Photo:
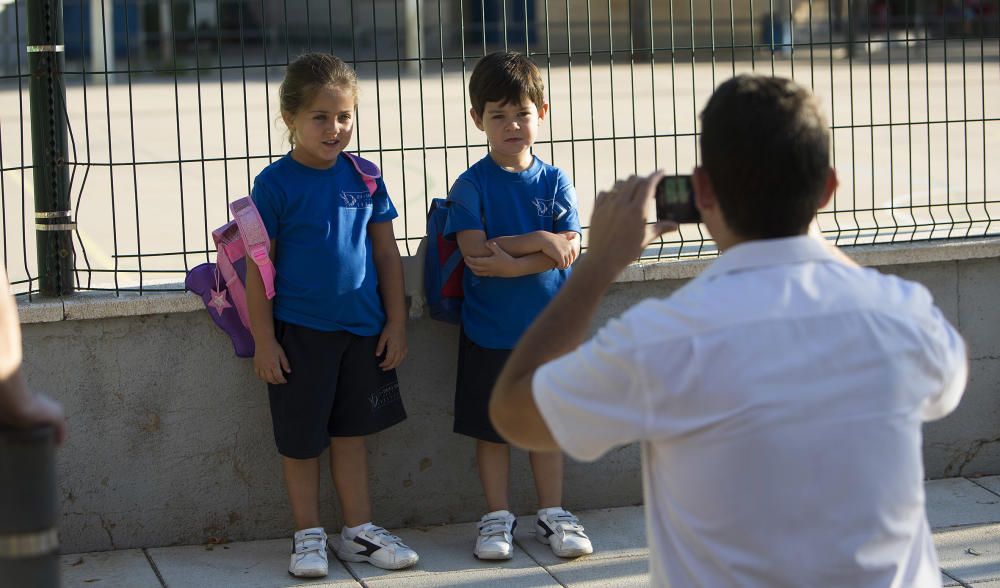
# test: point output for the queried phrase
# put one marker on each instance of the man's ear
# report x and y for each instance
(476, 119)
(829, 188)
(704, 193)
(543, 111)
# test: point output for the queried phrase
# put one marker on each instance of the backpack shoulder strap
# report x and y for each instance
(255, 240)
(368, 171)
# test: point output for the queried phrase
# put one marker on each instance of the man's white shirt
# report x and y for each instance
(778, 398)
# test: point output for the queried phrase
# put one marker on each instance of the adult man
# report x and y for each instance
(778, 396)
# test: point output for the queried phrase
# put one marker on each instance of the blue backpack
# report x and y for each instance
(443, 267)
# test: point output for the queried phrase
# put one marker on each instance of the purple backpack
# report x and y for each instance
(221, 285)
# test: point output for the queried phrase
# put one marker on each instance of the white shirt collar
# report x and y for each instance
(761, 253)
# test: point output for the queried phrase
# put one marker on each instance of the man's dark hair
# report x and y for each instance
(505, 77)
(765, 145)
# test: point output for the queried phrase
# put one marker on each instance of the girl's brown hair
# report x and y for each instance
(307, 74)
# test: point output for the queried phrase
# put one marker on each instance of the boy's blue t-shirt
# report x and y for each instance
(326, 276)
(497, 311)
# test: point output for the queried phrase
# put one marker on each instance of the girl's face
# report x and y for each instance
(322, 128)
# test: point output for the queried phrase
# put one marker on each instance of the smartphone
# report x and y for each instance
(675, 200)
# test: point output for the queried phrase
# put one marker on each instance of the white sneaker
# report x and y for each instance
(378, 547)
(308, 554)
(496, 536)
(562, 531)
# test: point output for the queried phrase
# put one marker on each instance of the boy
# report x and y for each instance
(516, 223)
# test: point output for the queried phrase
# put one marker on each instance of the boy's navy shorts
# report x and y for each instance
(335, 389)
(478, 369)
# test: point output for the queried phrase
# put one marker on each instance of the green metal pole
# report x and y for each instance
(53, 219)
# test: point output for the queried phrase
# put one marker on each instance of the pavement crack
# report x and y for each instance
(156, 570)
(964, 458)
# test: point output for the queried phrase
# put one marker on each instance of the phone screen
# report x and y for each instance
(675, 200)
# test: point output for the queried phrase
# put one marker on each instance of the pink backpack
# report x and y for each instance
(221, 285)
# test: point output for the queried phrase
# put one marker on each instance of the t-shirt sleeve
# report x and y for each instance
(565, 217)
(382, 207)
(593, 399)
(464, 209)
(268, 206)
(949, 353)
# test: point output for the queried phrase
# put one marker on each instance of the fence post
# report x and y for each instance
(53, 219)
(29, 541)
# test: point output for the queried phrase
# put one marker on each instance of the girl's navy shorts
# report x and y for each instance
(335, 389)
(478, 370)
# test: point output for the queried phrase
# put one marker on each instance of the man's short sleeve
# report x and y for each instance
(947, 349)
(565, 216)
(382, 207)
(268, 207)
(593, 399)
(464, 211)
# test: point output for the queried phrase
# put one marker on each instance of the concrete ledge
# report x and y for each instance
(97, 305)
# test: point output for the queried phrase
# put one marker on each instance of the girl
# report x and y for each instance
(329, 342)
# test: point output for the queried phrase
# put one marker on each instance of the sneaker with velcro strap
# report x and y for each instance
(496, 535)
(309, 558)
(562, 531)
(378, 547)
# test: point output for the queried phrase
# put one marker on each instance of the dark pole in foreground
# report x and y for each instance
(29, 540)
(53, 220)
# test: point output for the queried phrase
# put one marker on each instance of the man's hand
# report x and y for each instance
(499, 265)
(39, 410)
(392, 342)
(561, 248)
(618, 229)
(269, 361)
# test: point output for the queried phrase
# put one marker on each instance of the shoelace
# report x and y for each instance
(493, 526)
(567, 523)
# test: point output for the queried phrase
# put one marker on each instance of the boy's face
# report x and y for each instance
(511, 128)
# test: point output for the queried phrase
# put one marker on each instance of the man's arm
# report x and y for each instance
(618, 235)
(18, 407)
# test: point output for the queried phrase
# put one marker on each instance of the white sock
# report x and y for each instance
(550, 510)
(352, 532)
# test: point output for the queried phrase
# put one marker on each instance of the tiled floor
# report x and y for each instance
(965, 514)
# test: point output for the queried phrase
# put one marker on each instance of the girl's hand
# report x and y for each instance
(269, 361)
(392, 342)
(498, 265)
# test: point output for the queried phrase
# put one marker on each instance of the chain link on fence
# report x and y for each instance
(172, 109)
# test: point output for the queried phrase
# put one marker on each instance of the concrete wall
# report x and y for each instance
(170, 440)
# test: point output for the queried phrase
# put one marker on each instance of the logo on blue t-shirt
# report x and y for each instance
(544, 206)
(356, 199)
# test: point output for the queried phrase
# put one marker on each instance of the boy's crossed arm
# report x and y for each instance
(518, 255)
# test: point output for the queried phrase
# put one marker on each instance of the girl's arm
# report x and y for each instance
(389, 268)
(269, 361)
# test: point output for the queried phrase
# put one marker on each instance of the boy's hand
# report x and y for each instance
(561, 248)
(498, 265)
(269, 361)
(392, 342)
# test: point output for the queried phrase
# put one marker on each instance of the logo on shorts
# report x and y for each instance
(385, 395)
(356, 199)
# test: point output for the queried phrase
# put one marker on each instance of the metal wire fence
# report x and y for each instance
(172, 109)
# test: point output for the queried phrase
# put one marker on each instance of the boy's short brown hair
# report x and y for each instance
(505, 77)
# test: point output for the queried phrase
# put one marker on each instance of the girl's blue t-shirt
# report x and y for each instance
(326, 278)
(497, 311)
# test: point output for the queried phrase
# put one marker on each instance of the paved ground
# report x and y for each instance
(965, 515)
